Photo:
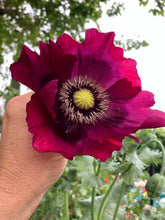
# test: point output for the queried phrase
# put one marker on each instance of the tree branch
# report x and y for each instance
(4, 11)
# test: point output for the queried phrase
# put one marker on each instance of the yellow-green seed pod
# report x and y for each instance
(155, 186)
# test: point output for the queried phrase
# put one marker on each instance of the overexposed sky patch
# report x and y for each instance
(137, 23)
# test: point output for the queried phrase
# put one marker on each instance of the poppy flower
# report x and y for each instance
(127, 215)
(87, 96)
(106, 180)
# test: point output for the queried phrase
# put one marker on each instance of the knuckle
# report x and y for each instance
(11, 107)
(17, 105)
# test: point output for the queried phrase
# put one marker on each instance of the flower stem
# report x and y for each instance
(66, 205)
(105, 200)
(162, 149)
(93, 203)
(119, 200)
(94, 191)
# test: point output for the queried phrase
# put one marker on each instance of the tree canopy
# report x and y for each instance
(28, 21)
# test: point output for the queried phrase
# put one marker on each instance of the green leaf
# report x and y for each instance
(85, 171)
(109, 211)
(64, 185)
(149, 156)
(115, 9)
(133, 167)
(109, 168)
(133, 158)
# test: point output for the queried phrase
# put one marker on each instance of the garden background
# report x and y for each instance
(27, 22)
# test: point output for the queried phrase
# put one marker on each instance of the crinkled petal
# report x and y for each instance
(99, 149)
(45, 54)
(67, 44)
(96, 66)
(61, 60)
(94, 59)
(35, 70)
(95, 40)
(116, 127)
(103, 42)
(122, 90)
(127, 69)
(126, 116)
(138, 114)
(43, 129)
(47, 96)
(143, 99)
(29, 69)
(154, 119)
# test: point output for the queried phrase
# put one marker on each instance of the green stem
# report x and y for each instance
(93, 203)
(162, 149)
(106, 199)
(119, 200)
(94, 191)
(66, 205)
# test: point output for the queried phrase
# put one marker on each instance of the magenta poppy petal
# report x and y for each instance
(116, 52)
(39, 120)
(98, 67)
(95, 60)
(45, 53)
(125, 116)
(31, 70)
(123, 90)
(104, 42)
(138, 114)
(47, 96)
(154, 119)
(62, 61)
(127, 69)
(95, 40)
(100, 149)
(67, 44)
(143, 99)
(42, 127)
(138, 108)
(26, 69)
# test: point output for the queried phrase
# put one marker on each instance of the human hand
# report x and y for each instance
(25, 173)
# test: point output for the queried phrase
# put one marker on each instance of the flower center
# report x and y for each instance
(83, 99)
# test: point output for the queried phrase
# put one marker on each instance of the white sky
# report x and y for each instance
(136, 21)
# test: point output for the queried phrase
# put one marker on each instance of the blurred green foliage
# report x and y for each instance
(158, 9)
(80, 178)
(30, 21)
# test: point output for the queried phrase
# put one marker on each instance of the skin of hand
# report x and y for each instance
(25, 174)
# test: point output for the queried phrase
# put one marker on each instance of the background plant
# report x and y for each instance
(81, 176)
